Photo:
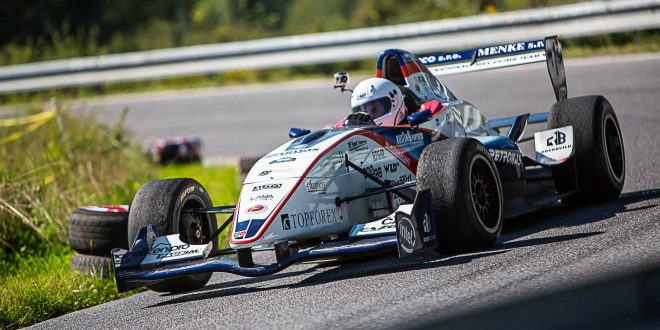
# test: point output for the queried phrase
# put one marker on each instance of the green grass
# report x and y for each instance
(37, 288)
(68, 161)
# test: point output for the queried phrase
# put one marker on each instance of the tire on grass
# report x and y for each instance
(96, 230)
(160, 203)
(466, 194)
(91, 265)
(598, 165)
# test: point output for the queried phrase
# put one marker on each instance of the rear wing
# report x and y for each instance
(504, 55)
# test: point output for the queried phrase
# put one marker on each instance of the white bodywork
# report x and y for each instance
(290, 193)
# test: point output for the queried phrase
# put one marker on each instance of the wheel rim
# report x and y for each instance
(613, 148)
(191, 226)
(484, 194)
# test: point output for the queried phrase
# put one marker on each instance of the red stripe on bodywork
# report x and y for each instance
(408, 160)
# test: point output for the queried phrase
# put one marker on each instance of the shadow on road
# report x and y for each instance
(559, 216)
(513, 232)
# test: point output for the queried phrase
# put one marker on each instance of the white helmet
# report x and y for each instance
(381, 99)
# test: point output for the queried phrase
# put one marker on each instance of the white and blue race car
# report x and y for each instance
(444, 179)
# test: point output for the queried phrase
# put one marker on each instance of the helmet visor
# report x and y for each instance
(375, 108)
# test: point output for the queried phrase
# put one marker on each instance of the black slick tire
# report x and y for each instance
(598, 164)
(160, 203)
(91, 265)
(466, 194)
(96, 230)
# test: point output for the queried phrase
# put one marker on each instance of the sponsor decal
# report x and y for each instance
(377, 154)
(374, 171)
(163, 250)
(283, 160)
(186, 192)
(336, 158)
(387, 223)
(407, 138)
(396, 201)
(267, 186)
(257, 208)
(558, 139)
(316, 186)
(240, 234)
(398, 153)
(264, 173)
(440, 58)
(404, 178)
(310, 218)
(391, 167)
(426, 223)
(406, 233)
(506, 156)
(265, 197)
(501, 49)
(290, 152)
(555, 144)
(354, 146)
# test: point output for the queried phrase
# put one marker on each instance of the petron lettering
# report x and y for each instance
(289, 152)
(506, 157)
(267, 186)
(309, 219)
(503, 49)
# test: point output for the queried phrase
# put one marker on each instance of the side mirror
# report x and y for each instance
(341, 80)
(298, 132)
(419, 117)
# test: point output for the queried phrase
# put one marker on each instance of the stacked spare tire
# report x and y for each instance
(93, 232)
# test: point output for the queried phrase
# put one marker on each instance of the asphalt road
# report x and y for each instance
(536, 254)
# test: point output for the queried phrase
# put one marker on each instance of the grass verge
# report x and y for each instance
(45, 173)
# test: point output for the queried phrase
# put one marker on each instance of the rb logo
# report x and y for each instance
(559, 138)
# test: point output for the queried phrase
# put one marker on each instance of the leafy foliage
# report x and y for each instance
(53, 29)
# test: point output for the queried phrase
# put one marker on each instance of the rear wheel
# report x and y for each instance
(161, 203)
(598, 166)
(466, 194)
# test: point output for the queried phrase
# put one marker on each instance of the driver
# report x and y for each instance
(376, 101)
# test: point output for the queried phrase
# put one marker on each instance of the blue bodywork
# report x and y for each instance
(129, 278)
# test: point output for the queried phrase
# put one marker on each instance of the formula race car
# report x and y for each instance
(444, 180)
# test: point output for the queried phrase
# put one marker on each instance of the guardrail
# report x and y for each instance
(582, 19)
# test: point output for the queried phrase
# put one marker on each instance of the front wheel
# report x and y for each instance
(598, 169)
(161, 203)
(466, 194)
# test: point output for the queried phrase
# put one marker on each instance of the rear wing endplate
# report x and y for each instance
(504, 55)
